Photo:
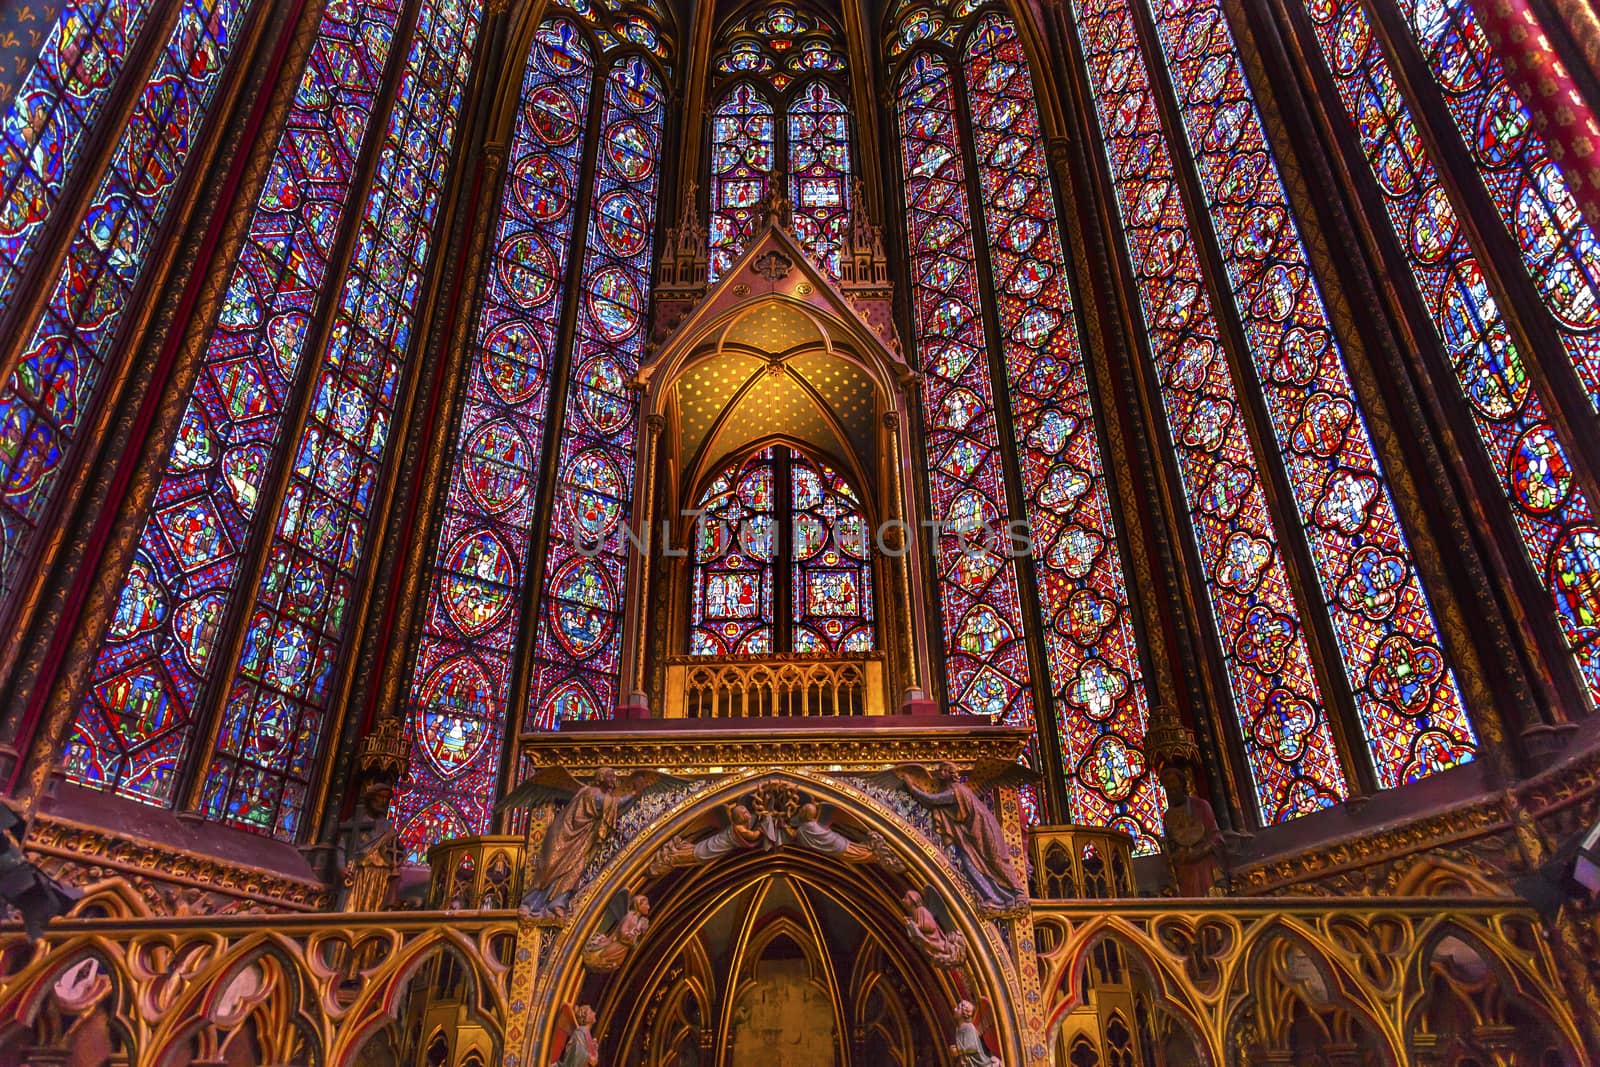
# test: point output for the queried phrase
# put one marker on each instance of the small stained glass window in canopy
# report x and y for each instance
(780, 524)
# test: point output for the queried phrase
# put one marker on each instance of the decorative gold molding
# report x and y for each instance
(76, 845)
(828, 745)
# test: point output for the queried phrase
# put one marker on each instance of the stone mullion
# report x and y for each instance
(1189, 673)
(1428, 489)
(922, 571)
(385, 648)
(75, 596)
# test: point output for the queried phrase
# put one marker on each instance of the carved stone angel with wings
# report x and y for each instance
(578, 829)
(966, 822)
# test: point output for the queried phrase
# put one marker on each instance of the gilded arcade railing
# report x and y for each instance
(1147, 983)
(766, 686)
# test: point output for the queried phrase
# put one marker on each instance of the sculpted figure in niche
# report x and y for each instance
(580, 1049)
(966, 822)
(945, 948)
(1190, 837)
(967, 1045)
(579, 828)
(608, 951)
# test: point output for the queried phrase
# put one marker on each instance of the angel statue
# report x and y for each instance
(575, 1043)
(945, 949)
(965, 821)
(812, 833)
(608, 951)
(740, 834)
(578, 829)
(967, 1046)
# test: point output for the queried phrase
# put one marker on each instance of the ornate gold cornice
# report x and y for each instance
(77, 844)
(829, 745)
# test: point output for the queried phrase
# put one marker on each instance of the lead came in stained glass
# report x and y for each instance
(831, 571)
(1552, 513)
(1287, 739)
(735, 562)
(742, 154)
(56, 383)
(158, 653)
(819, 172)
(299, 615)
(462, 681)
(49, 120)
(986, 663)
(1558, 246)
(1406, 698)
(578, 640)
(1091, 651)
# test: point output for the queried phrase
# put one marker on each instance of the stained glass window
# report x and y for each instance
(986, 662)
(272, 721)
(743, 144)
(831, 582)
(578, 644)
(138, 718)
(781, 109)
(735, 562)
(1092, 655)
(1287, 738)
(49, 120)
(780, 523)
(1554, 517)
(463, 674)
(1529, 191)
(1406, 696)
(819, 172)
(56, 382)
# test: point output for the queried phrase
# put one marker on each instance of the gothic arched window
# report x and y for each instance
(58, 379)
(989, 274)
(1391, 661)
(590, 91)
(780, 115)
(1509, 408)
(215, 678)
(780, 560)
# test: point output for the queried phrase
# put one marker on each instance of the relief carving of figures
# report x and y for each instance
(579, 1048)
(608, 951)
(966, 823)
(944, 947)
(740, 834)
(774, 815)
(579, 828)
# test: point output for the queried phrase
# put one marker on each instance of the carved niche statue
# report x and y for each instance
(1190, 837)
(965, 822)
(944, 948)
(578, 829)
(36, 896)
(575, 1043)
(967, 1044)
(608, 951)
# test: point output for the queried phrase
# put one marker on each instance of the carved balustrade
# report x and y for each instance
(1237, 981)
(767, 686)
